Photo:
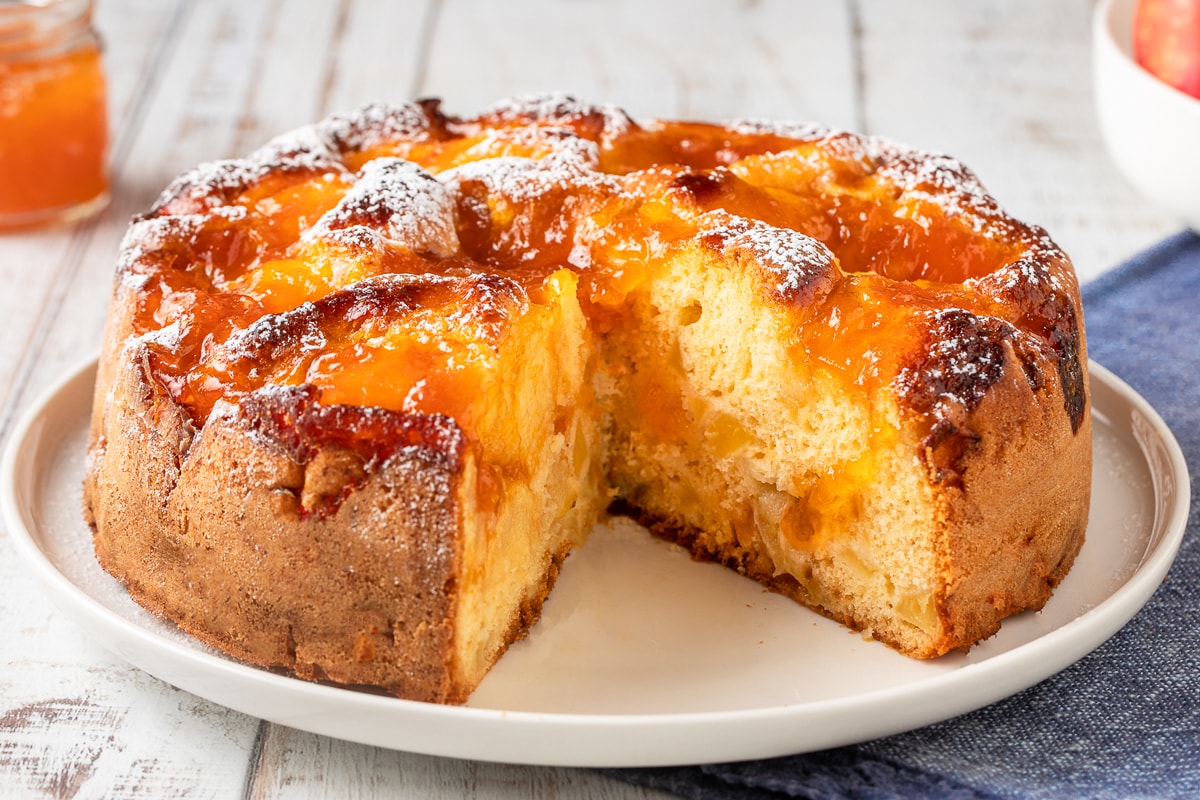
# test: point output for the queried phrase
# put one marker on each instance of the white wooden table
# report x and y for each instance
(1005, 87)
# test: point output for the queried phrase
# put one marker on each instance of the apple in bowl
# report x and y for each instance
(1166, 42)
(1151, 127)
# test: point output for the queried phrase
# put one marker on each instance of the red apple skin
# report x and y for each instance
(1166, 42)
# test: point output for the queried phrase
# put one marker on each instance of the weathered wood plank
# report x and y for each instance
(78, 723)
(774, 59)
(293, 56)
(379, 51)
(305, 765)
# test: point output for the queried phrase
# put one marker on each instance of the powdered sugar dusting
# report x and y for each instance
(168, 337)
(315, 149)
(944, 180)
(802, 131)
(215, 183)
(953, 187)
(556, 108)
(208, 185)
(1026, 275)
(550, 141)
(521, 180)
(149, 237)
(153, 234)
(802, 268)
(303, 148)
(483, 303)
(403, 202)
(919, 178)
(298, 329)
(357, 241)
(963, 359)
(376, 124)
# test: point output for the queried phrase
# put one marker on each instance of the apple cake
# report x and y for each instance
(364, 390)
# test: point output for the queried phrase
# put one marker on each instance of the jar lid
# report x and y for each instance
(41, 27)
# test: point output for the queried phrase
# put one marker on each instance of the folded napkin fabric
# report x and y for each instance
(1124, 721)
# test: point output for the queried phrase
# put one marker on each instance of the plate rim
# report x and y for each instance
(624, 739)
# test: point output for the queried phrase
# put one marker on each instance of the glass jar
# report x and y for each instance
(53, 113)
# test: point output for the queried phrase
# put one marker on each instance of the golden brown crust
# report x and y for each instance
(359, 592)
(375, 572)
(1023, 471)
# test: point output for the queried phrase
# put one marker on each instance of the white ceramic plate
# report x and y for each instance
(642, 657)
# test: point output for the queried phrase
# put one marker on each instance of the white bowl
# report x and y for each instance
(1152, 130)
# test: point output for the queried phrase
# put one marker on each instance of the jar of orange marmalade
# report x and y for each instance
(53, 113)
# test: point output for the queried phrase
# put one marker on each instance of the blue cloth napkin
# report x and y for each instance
(1122, 722)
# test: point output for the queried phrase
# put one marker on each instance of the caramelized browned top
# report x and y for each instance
(372, 255)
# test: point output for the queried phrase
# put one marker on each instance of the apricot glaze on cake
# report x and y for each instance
(363, 391)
